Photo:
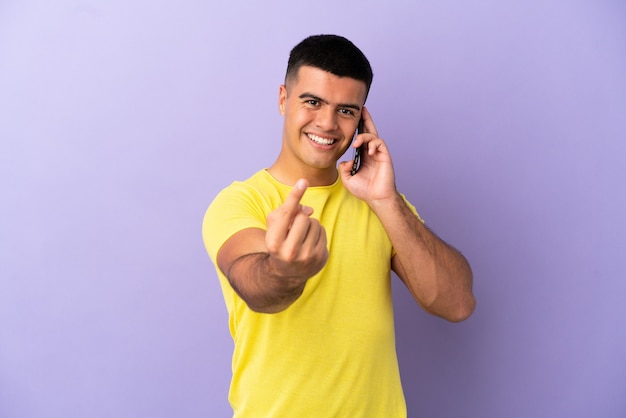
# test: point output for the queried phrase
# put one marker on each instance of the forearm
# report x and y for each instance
(438, 276)
(251, 276)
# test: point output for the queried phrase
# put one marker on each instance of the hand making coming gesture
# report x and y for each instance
(269, 268)
(295, 241)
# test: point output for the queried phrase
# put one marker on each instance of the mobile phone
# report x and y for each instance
(356, 163)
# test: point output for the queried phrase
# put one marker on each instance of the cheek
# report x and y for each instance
(299, 119)
(348, 129)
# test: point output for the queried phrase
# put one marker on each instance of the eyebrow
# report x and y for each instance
(319, 99)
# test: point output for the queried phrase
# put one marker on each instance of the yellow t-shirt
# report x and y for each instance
(332, 352)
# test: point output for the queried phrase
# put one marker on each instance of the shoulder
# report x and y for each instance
(240, 205)
(259, 193)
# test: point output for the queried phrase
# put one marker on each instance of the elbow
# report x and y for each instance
(457, 310)
(464, 302)
(463, 310)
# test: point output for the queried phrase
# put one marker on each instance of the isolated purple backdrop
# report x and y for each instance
(119, 122)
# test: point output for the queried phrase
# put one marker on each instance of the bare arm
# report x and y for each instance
(269, 269)
(437, 275)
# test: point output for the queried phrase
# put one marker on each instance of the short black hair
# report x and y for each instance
(332, 53)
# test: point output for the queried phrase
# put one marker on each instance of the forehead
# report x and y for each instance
(327, 85)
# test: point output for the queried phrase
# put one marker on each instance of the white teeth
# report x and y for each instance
(320, 140)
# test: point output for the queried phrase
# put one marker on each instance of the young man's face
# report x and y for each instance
(321, 113)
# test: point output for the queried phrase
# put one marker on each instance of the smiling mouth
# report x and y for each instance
(320, 140)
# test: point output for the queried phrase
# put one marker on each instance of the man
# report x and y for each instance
(304, 251)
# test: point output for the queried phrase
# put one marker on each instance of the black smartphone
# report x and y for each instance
(356, 164)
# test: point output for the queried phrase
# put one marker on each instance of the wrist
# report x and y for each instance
(392, 201)
(282, 278)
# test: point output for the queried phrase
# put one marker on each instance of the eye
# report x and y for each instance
(345, 111)
(313, 102)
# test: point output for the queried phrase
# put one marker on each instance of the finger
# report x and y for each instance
(322, 241)
(345, 169)
(296, 236)
(314, 245)
(363, 139)
(292, 202)
(280, 220)
(376, 146)
(307, 210)
(368, 122)
(313, 233)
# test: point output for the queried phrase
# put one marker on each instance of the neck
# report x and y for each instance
(315, 177)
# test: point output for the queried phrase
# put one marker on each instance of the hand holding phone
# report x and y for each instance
(356, 164)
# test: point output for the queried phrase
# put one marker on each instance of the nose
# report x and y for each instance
(326, 119)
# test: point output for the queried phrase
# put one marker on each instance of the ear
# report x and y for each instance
(282, 98)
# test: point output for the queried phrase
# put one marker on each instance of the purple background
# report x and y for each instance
(120, 121)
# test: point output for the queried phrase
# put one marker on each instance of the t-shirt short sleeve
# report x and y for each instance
(235, 208)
